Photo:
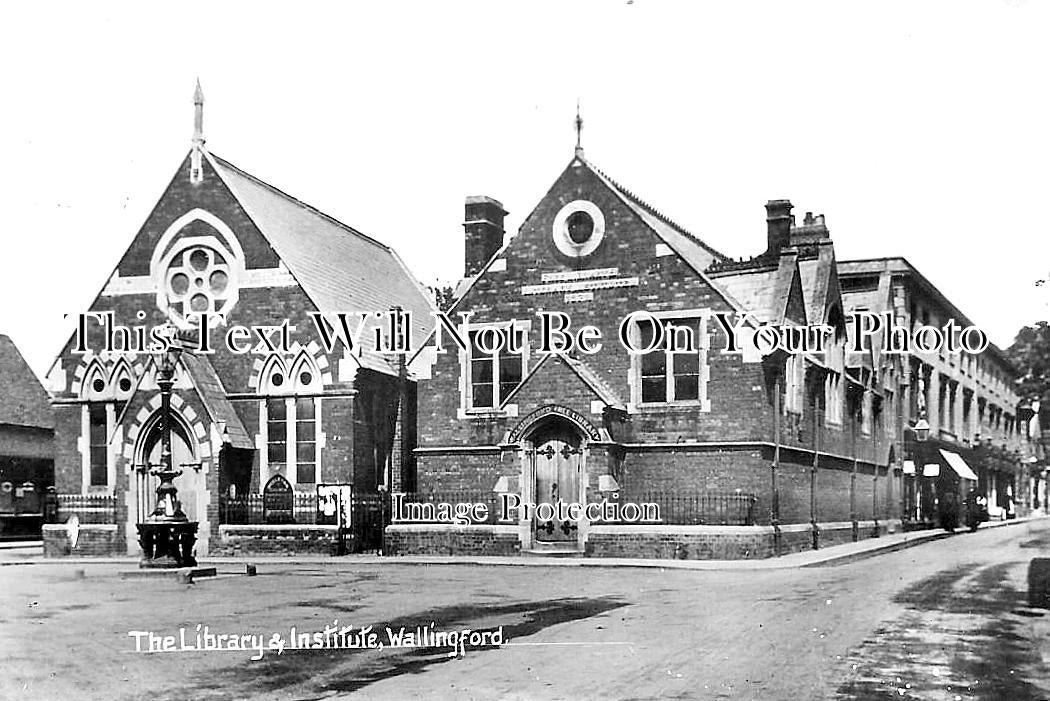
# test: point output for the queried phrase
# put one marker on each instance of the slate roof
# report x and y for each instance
(696, 252)
(23, 400)
(213, 395)
(339, 268)
(755, 290)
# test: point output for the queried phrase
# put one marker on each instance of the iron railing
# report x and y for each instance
(370, 510)
(673, 507)
(248, 509)
(89, 508)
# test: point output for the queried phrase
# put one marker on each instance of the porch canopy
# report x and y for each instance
(959, 465)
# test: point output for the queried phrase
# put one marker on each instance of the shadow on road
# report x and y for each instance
(323, 672)
(961, 635)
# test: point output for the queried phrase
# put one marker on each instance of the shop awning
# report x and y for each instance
(959, 465)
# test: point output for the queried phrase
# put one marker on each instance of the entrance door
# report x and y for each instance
(186, 484)
(557, 460)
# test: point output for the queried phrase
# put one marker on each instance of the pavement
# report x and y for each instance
(31, 553)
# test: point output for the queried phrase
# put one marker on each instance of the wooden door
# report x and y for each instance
(557, 480)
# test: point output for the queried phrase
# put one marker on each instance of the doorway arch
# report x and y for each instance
(554, 472)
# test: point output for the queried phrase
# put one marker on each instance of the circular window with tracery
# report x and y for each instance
(198, 280)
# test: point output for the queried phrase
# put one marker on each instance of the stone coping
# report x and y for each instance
(237, 529)
(634, 529)
(63, 528)
(512, 528)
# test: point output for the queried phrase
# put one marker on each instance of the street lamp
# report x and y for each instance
(921, 428)
(167, 536)
(921, 431)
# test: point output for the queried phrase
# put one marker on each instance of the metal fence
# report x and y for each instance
(88, 508)
(426, 506)
(674, 507)
(249, 509)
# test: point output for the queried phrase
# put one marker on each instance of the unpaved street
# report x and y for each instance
(946, 620)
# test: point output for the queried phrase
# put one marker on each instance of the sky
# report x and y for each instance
(919, 129)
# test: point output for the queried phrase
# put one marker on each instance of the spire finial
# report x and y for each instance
(196, 159)
(579, 130)
(198, 114)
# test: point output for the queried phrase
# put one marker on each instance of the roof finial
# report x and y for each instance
(196, 154)
(579, 129)
(198, 115)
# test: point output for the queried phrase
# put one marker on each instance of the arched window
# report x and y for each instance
(291, 412)
(96, 386)
(98, 418)
(122, 381)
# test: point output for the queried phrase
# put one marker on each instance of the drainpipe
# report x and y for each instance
(853, 476)
(875, 472)
(774, 505)
(818, 427)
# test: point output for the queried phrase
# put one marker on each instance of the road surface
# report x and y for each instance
(945, 620)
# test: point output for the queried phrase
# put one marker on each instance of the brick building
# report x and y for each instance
(220, 240)
(26, 445)
(744, 454)
(975, 415)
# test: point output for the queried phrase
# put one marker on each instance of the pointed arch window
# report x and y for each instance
(105, 391)
(122, 381)
(292, 417)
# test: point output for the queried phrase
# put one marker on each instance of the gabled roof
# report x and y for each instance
(766, 290)
(695, 252)
(213, 396)
(23, 400)
(339, 268)
(605, 393)
(601, 390)
(755, 290)
(699, 254)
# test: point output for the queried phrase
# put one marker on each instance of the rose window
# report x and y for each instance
(198, 280)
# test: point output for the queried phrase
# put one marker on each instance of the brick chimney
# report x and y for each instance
(778, 225)
(482, 232)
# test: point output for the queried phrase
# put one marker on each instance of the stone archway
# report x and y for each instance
(553, 475)
(190, 447)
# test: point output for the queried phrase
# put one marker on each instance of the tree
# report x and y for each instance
(1030, 354)
(444, 296)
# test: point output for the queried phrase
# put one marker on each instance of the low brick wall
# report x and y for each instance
(719, 542)
(681, 542)
(93, 540)
(274, 540)
(630, 541)
(448, 539)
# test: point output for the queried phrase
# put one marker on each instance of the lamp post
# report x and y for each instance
(167, 536)
(921, 430)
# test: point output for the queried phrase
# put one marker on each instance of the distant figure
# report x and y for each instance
(950, 511)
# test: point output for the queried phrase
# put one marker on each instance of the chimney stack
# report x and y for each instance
(778, 225)
(483, 232)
